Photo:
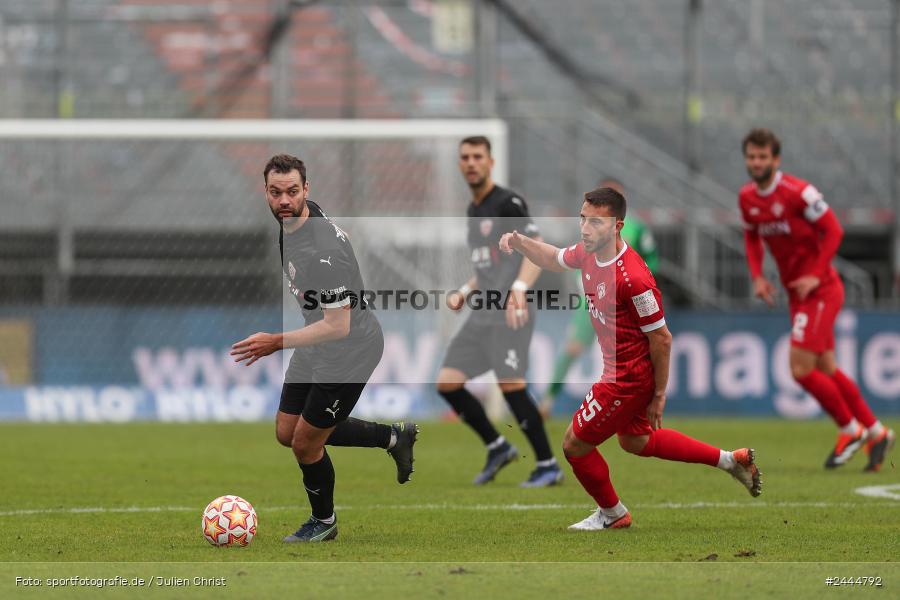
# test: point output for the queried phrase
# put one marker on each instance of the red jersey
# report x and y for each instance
(796, 225)
(624, 304)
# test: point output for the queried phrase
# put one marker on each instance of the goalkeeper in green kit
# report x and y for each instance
(580, 333)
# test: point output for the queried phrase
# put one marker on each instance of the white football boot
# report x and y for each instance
(597, 520)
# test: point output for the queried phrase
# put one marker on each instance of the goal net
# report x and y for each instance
(138, 251)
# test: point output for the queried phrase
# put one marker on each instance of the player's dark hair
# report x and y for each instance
(285, 163)
(763, 138)
(477, 140)
(608, 197)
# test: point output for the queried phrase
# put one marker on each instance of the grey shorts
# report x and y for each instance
(480, 347)
(323, 394)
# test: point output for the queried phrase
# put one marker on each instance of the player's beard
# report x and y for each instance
(762, 178)
(295, 214)
(477, 185)
(601, 245)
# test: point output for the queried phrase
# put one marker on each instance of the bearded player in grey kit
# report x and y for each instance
(335, 353)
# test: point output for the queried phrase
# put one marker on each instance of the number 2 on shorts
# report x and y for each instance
(800, 322)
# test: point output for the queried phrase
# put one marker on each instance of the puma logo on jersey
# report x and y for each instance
(326, 261)
(512, 360)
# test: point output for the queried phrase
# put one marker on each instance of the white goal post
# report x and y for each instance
(172, 180)
(263, 129)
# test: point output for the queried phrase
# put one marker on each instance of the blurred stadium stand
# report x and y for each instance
(648, 91)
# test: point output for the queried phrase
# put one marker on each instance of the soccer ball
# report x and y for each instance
(229, 521)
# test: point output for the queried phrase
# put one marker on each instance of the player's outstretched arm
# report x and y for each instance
(542, 254)
(660, 350)
(334, 326)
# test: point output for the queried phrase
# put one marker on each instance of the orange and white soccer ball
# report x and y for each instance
(229, 521)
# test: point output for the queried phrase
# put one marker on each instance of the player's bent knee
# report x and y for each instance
(633, 444)
(285, 438)
(305, 450)
(802, 362)
(827, 365)
(572, 446)
(800, 370)
(512, 386)
(285, 423)
(450, 380)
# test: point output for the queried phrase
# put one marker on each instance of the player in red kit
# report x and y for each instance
(628, 401)
(803, 235)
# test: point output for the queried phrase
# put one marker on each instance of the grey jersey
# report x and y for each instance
(501, 211)
(322, 272)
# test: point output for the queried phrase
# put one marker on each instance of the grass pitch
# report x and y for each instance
(127, 499)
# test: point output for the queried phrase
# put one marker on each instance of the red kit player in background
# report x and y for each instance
(803, 235)
(628, 401)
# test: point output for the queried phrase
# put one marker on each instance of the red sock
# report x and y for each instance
(593, 473)
(824, 389)
(669, 444)
(853, 399)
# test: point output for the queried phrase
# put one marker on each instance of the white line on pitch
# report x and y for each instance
(476, 507)
(891, 491)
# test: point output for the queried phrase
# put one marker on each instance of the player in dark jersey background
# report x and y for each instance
(336, 351)
(495, 339)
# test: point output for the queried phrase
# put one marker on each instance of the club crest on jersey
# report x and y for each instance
(777, 209)
(601, 290)
(292, 271)
(486, 226)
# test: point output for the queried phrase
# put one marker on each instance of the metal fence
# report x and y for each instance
(586, 90)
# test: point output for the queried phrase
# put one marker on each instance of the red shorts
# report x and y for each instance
(610, 409)
(812, 319)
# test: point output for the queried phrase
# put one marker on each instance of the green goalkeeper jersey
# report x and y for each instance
(638, 236)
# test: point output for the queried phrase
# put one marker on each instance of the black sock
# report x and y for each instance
(318, 479)
(472, 413)
(530, 421)
(360, 434)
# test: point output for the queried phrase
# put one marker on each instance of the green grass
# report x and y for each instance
(439, 522)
